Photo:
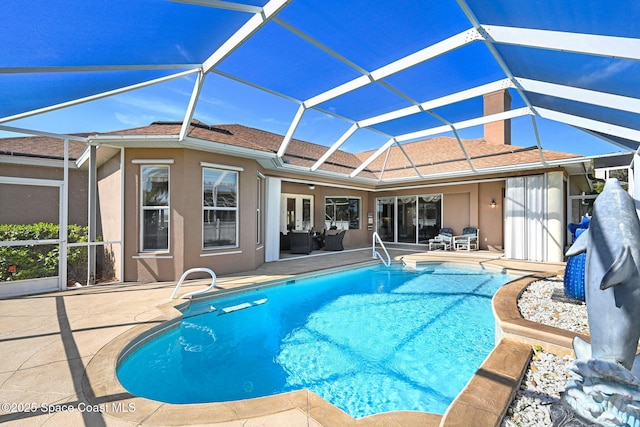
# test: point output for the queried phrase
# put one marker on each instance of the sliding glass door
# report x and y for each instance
(408, 219)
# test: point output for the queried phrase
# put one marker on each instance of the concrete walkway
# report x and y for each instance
(48, 340)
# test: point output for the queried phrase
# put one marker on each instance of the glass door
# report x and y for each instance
(297, 212)
(407, 219)
(385, 216)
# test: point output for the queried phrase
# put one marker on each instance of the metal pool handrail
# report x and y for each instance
(376, 254)
(195, 270)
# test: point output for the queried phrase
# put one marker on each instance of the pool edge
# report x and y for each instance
(100, 385)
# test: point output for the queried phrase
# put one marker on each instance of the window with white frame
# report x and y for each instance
(620, 173)
(342, 212)
(219, 208)
(154, 196)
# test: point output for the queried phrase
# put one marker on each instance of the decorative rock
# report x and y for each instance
(548, 374)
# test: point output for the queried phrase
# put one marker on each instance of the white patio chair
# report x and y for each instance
(442, 240)
(468, 240)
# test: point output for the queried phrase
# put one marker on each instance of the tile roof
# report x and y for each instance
(445, 154)
(43, 147)
(299, 153)
(429, 156)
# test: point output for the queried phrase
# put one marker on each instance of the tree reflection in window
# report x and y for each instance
(155, 207)
(342, 212)
(220, 208)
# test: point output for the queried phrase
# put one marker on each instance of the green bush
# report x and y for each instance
(30, 262)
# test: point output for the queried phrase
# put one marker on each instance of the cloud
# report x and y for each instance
(613, 69)
(135, 120)
(152, 103)
(142, 108)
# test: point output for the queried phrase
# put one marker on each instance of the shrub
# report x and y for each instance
(30, 262)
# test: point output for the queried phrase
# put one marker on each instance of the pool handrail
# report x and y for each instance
(376, 254)
(195, 270)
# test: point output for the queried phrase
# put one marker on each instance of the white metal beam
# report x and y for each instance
(537, 134)
(413, 165)
(593, 97)
(39, 133)
(465, 124)
(371, 158)
(97, 96)
(292, 129)
(335, 146)
(594, 125)
(219, 4)
(441, 129)
(96, 68)
(195, 95)
(438, 102)
(611, 140)
(316, 43)
(430, 52)
(257, 21)
(591, 44)
(256, 86)
(492, 49)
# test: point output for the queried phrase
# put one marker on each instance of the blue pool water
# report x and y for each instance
(369, 340)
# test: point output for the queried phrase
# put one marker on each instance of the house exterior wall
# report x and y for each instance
(109, 218)
(320, 193)
(43, 201)
(491, 220)
(185, 217)
(464, 205)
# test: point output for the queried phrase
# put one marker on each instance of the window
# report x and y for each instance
(219, 208)
(155, 207)
(620, 173)
(342, 212)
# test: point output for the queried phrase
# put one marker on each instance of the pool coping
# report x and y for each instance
(501, 373)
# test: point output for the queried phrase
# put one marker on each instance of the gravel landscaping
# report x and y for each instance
(547, 375)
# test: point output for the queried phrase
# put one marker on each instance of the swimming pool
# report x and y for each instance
(369, 340)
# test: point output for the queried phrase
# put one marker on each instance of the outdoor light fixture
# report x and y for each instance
(312, 187)
(493, 203)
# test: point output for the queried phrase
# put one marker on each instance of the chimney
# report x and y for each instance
(497, 132)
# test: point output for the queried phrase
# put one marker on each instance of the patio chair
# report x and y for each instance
(442, 240)
(285, 241)
(318, 239)
(333, 242)
(301, 242)
(467, 240)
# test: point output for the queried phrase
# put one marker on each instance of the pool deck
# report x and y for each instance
(59, 354)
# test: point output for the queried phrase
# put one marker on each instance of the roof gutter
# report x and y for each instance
(276, 163)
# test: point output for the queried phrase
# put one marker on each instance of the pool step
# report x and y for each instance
(238, 304)
(198, 310)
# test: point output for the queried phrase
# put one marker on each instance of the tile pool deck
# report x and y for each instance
(58, 353)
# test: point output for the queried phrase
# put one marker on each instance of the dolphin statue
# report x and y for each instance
(612, 279)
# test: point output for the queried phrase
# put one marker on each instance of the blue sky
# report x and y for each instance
(239, 104)
(63, 33)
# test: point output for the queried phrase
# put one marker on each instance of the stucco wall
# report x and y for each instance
(41, 203)
(185, 218)
(466, 205)
(109, 216)
(491, 220)
(352, 237)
